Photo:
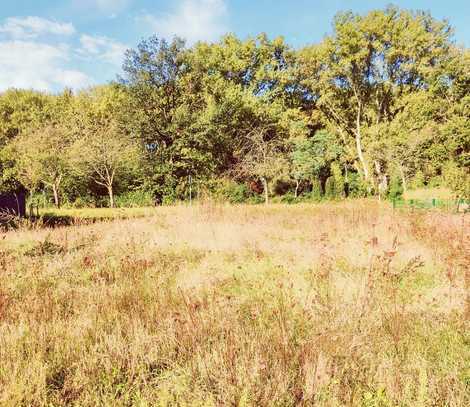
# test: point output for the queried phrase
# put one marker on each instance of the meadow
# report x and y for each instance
(348, 303)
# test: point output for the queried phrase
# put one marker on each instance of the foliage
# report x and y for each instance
(383, 99)
(312, 157)
(231, 191)
(458, 179)
(43, 157)
(396, 188)
(316, 193)
(135, 199)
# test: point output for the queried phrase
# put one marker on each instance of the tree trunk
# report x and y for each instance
(403, 179)
(382, 180)
(297, 184)
(360, 154)
(111, 196)
(55, 191)
(31, 205)
(265, 189)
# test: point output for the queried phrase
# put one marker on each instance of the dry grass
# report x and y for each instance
(429, 193)
(342, 304)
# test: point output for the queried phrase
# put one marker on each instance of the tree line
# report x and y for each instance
(378, 106)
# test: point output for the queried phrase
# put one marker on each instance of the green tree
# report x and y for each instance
(106, 155)
(358, 75)
(262, 159)
(312, 157)
(42, 157)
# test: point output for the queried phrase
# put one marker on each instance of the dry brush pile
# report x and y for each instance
(338, 304)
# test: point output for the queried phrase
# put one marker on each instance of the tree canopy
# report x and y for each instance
(384, 97)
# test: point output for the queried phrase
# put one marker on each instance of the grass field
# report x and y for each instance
(329, 305)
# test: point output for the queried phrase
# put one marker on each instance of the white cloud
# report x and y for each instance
(104, 48)
(44, 54)
(30, 64)
(194, 20)
(32, 27)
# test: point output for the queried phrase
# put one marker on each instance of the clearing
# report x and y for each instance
(330, 304)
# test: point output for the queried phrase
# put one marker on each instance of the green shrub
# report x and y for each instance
(338, 180)
(334, 186)
(255, 199)
(457, 179)
(330, 188)
(436, 182)
(135, 199)
(289, 198)
(41, 199)
(418, 180)
(84, 201)
(395, 190)
(230, 191)
(357, 187)
(316, 193)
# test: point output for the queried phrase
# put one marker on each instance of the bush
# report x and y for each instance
(84, 201)
(395, 190)
(289, 198)
(330, 188)
(334, 186)
(135, 199)
(316, 193)
(338, 180)
(169, 199)
(457, 179)
(436, 182)
(255, 199)
(418, 180)
(357, 186)
(230, 191)
(41, 199)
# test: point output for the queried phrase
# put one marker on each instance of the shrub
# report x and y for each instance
(338, 180)
(330, 188)
(230, 191)
(418, 180)
(457, 179)
(357, 186)
(135, 199)
(395, 190)
(255, 199)
(84, 201)
(316, 193)
(289, 198)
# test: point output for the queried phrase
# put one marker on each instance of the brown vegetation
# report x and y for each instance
(338, 304)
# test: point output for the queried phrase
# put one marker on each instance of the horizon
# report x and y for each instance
(79, 44)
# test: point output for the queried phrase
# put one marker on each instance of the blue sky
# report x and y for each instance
(52, 44)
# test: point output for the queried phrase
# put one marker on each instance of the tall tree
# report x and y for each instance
(106, 155)
(43, 157)
(357, 76)
(263, 159)
(312, 157)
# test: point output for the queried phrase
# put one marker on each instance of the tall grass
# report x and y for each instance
(339, 304)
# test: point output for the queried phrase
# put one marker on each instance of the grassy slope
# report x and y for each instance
(341, 304)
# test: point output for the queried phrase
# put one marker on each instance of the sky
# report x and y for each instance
(50, 44)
